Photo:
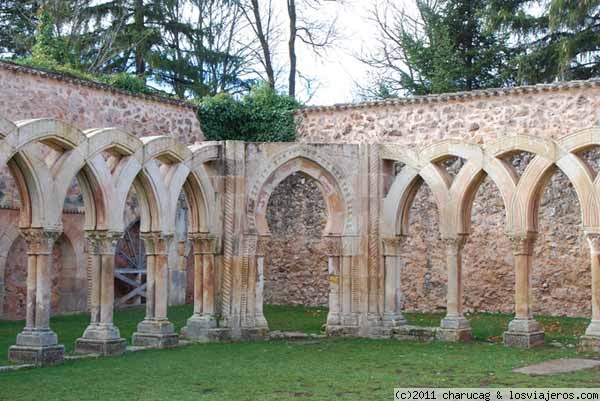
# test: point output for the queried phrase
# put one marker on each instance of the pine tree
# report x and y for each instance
(446, 48)
(554, 39)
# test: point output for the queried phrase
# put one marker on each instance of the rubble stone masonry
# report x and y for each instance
(561, 276)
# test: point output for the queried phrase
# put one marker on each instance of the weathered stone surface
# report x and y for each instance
(39, 356)
(415, 333)
(556, 366)
(101, 347)
(296, 270)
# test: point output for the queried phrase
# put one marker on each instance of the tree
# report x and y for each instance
(264, 29)
(17, 27)
(554, 39)
(316, 33)
(446, 47)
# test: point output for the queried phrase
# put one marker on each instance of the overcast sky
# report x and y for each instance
(339, 70)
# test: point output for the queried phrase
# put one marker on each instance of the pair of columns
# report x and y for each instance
(37, 344)
(102, 336)
(202, 325)
(454, 326)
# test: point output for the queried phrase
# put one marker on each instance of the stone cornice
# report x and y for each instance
(10, 66)
(455, 96)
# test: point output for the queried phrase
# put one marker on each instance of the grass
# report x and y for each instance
(348, 369)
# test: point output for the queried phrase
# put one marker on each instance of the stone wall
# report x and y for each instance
(69, 275)
(31, 93)
(296, 264)
(561, 276)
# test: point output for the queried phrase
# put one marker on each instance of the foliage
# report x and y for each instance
(446, 48)
(262, 115)
(556, 39)
(314, 369)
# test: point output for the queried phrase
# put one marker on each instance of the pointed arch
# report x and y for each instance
(338, 210)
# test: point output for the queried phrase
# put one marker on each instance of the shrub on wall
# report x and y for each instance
(262, 115)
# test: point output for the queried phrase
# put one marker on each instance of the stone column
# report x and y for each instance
(333, 246)
(523, 331)
(392, 307)
(201, 326)
(261, 248)
(156, 330)
(454, 326)
(102, 336)
(591, 339)
(37, 343)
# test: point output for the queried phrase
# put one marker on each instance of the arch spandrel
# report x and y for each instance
(543, 147)
(52, 132)
(165, 149)
(113, 140)
(580, 140)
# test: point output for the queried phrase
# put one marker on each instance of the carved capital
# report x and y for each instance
(522, 244)
(204, 244)
(454, 244)
(40, 241)
(392, 245)
(102, 242)
(593, 240)
(333, 245)
(156, 243)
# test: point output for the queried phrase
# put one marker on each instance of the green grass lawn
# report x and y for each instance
(348, 369)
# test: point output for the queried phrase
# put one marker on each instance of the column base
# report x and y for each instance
(37, 338)
(393, 320)
(454, 329)
(201, 328)
(39, 356)
(524, 333)
(113, 347)
(333, 319)
(156, 334)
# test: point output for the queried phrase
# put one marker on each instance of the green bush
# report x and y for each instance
(128, 82)
(261, 116)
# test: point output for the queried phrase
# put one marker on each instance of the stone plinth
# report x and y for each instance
(156, 334)
(114, 347)
(524, 333)
(40, 356)
(201, 329)
(454, 329)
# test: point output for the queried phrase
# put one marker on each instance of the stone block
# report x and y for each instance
(454, 335)
(342, 331)
(523, 340)
(590, 343)
(414, 333)
(114, 347)
(39, 356)
(254, 334)
(155, 340)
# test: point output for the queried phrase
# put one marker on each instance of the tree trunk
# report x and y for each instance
(291, 5)
(264, 44)
(140, 49)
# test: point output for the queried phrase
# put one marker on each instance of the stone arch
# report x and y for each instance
(526, 201)
(338, 210)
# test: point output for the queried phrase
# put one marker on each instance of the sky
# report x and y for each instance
(339, 71)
